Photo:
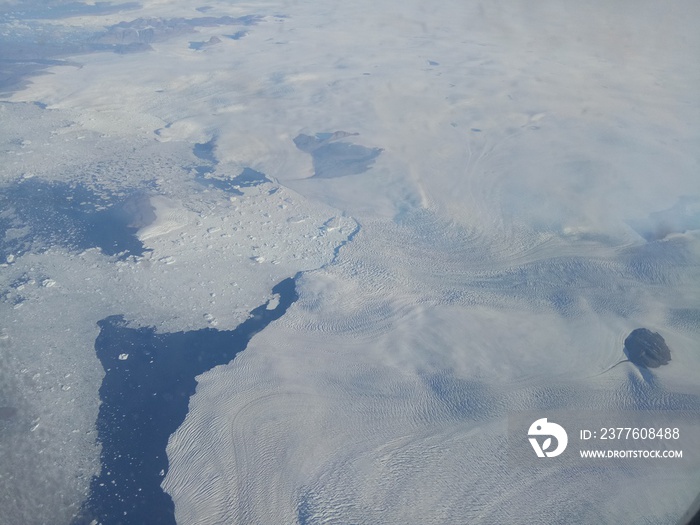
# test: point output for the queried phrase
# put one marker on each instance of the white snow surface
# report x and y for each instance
(495, 264)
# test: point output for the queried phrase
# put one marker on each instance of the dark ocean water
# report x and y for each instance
(75, 216)
(145, 398)
(245, 179)
(333, 157)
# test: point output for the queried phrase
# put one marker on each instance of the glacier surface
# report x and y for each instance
(478, 203)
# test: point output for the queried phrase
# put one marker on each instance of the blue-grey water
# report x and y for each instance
(237, 35)
(43, 214)
(205, 151)
(335, 158)
(247, 178)
(24, 54)
(145, 399)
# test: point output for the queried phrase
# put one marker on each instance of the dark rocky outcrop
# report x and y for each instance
(150, 30)
(647, 349)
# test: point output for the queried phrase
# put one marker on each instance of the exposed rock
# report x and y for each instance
(150, 30)
(647, 349)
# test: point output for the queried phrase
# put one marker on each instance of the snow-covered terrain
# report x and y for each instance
(480, 200)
